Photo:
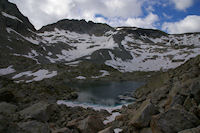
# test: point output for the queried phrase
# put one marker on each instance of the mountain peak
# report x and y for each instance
(79, 26)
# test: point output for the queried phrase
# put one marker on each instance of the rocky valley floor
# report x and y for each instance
(168, 103)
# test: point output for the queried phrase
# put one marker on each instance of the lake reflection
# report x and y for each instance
(107, 93)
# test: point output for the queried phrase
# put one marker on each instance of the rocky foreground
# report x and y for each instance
(168, 103)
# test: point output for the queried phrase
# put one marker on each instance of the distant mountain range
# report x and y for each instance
(25, 51)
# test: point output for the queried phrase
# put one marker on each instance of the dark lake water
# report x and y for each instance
(109, 93)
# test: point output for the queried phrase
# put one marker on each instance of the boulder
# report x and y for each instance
(3, 123)
(7, 96)
(91, 124)
(189, 103)
(107, 130)
(173, 121)
(34, 127)
(195, 90)
(7, 108)
(142, 116)
(159, 94)
(192, 130)
(37, 111)
(62, 130)
(72, 96)
(146, 130)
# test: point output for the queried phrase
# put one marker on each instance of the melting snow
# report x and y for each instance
(74, 63)
(86, 105)
(29, 39)
(82, 44)
(10, 16)
(80, 77)
(104, 73)
(6, 71)
(111, 118)
(31, 55)
(152, 57)
(117, 130)
(38, 75)
(149, 54)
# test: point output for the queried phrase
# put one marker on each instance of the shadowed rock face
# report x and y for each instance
(11, 9)
(173, 121)
(145, 32)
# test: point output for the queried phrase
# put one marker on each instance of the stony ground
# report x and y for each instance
(168, 103)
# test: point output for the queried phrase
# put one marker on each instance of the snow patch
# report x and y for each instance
(31, 55)
(74, 63)
(117, 130)
(38, 75)
(86, 105)
(104, 73)
(10, 16)
(111, 118)
(80, 77)
(29, 39)
(6, 71)
(81, 44)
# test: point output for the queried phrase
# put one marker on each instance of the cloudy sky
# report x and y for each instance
(172, 16)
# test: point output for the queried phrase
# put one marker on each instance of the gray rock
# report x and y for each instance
(91, 124)
(37, 111)
(189, 103)
(7, 96)
(107, 130)
(192, 130)
(62, 130)
(195, 91)
(159, 94)
(3, 123)
(173, 121)
(34, 127)
(146, 130)
(143, 115)
(7, 108)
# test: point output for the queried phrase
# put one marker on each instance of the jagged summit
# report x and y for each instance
(79, 26)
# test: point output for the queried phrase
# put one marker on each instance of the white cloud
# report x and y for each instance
(166, 16)
(188, 24)
(48, 11)
(147, 22)
(182, 4)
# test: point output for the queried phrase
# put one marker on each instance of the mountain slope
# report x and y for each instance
(72, 43)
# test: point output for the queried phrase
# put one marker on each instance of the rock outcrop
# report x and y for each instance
(176, 95)
(142, 117)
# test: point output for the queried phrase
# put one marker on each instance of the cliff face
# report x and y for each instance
(13, 18)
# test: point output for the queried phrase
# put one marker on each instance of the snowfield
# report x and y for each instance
(81, 44)
(148, 53)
